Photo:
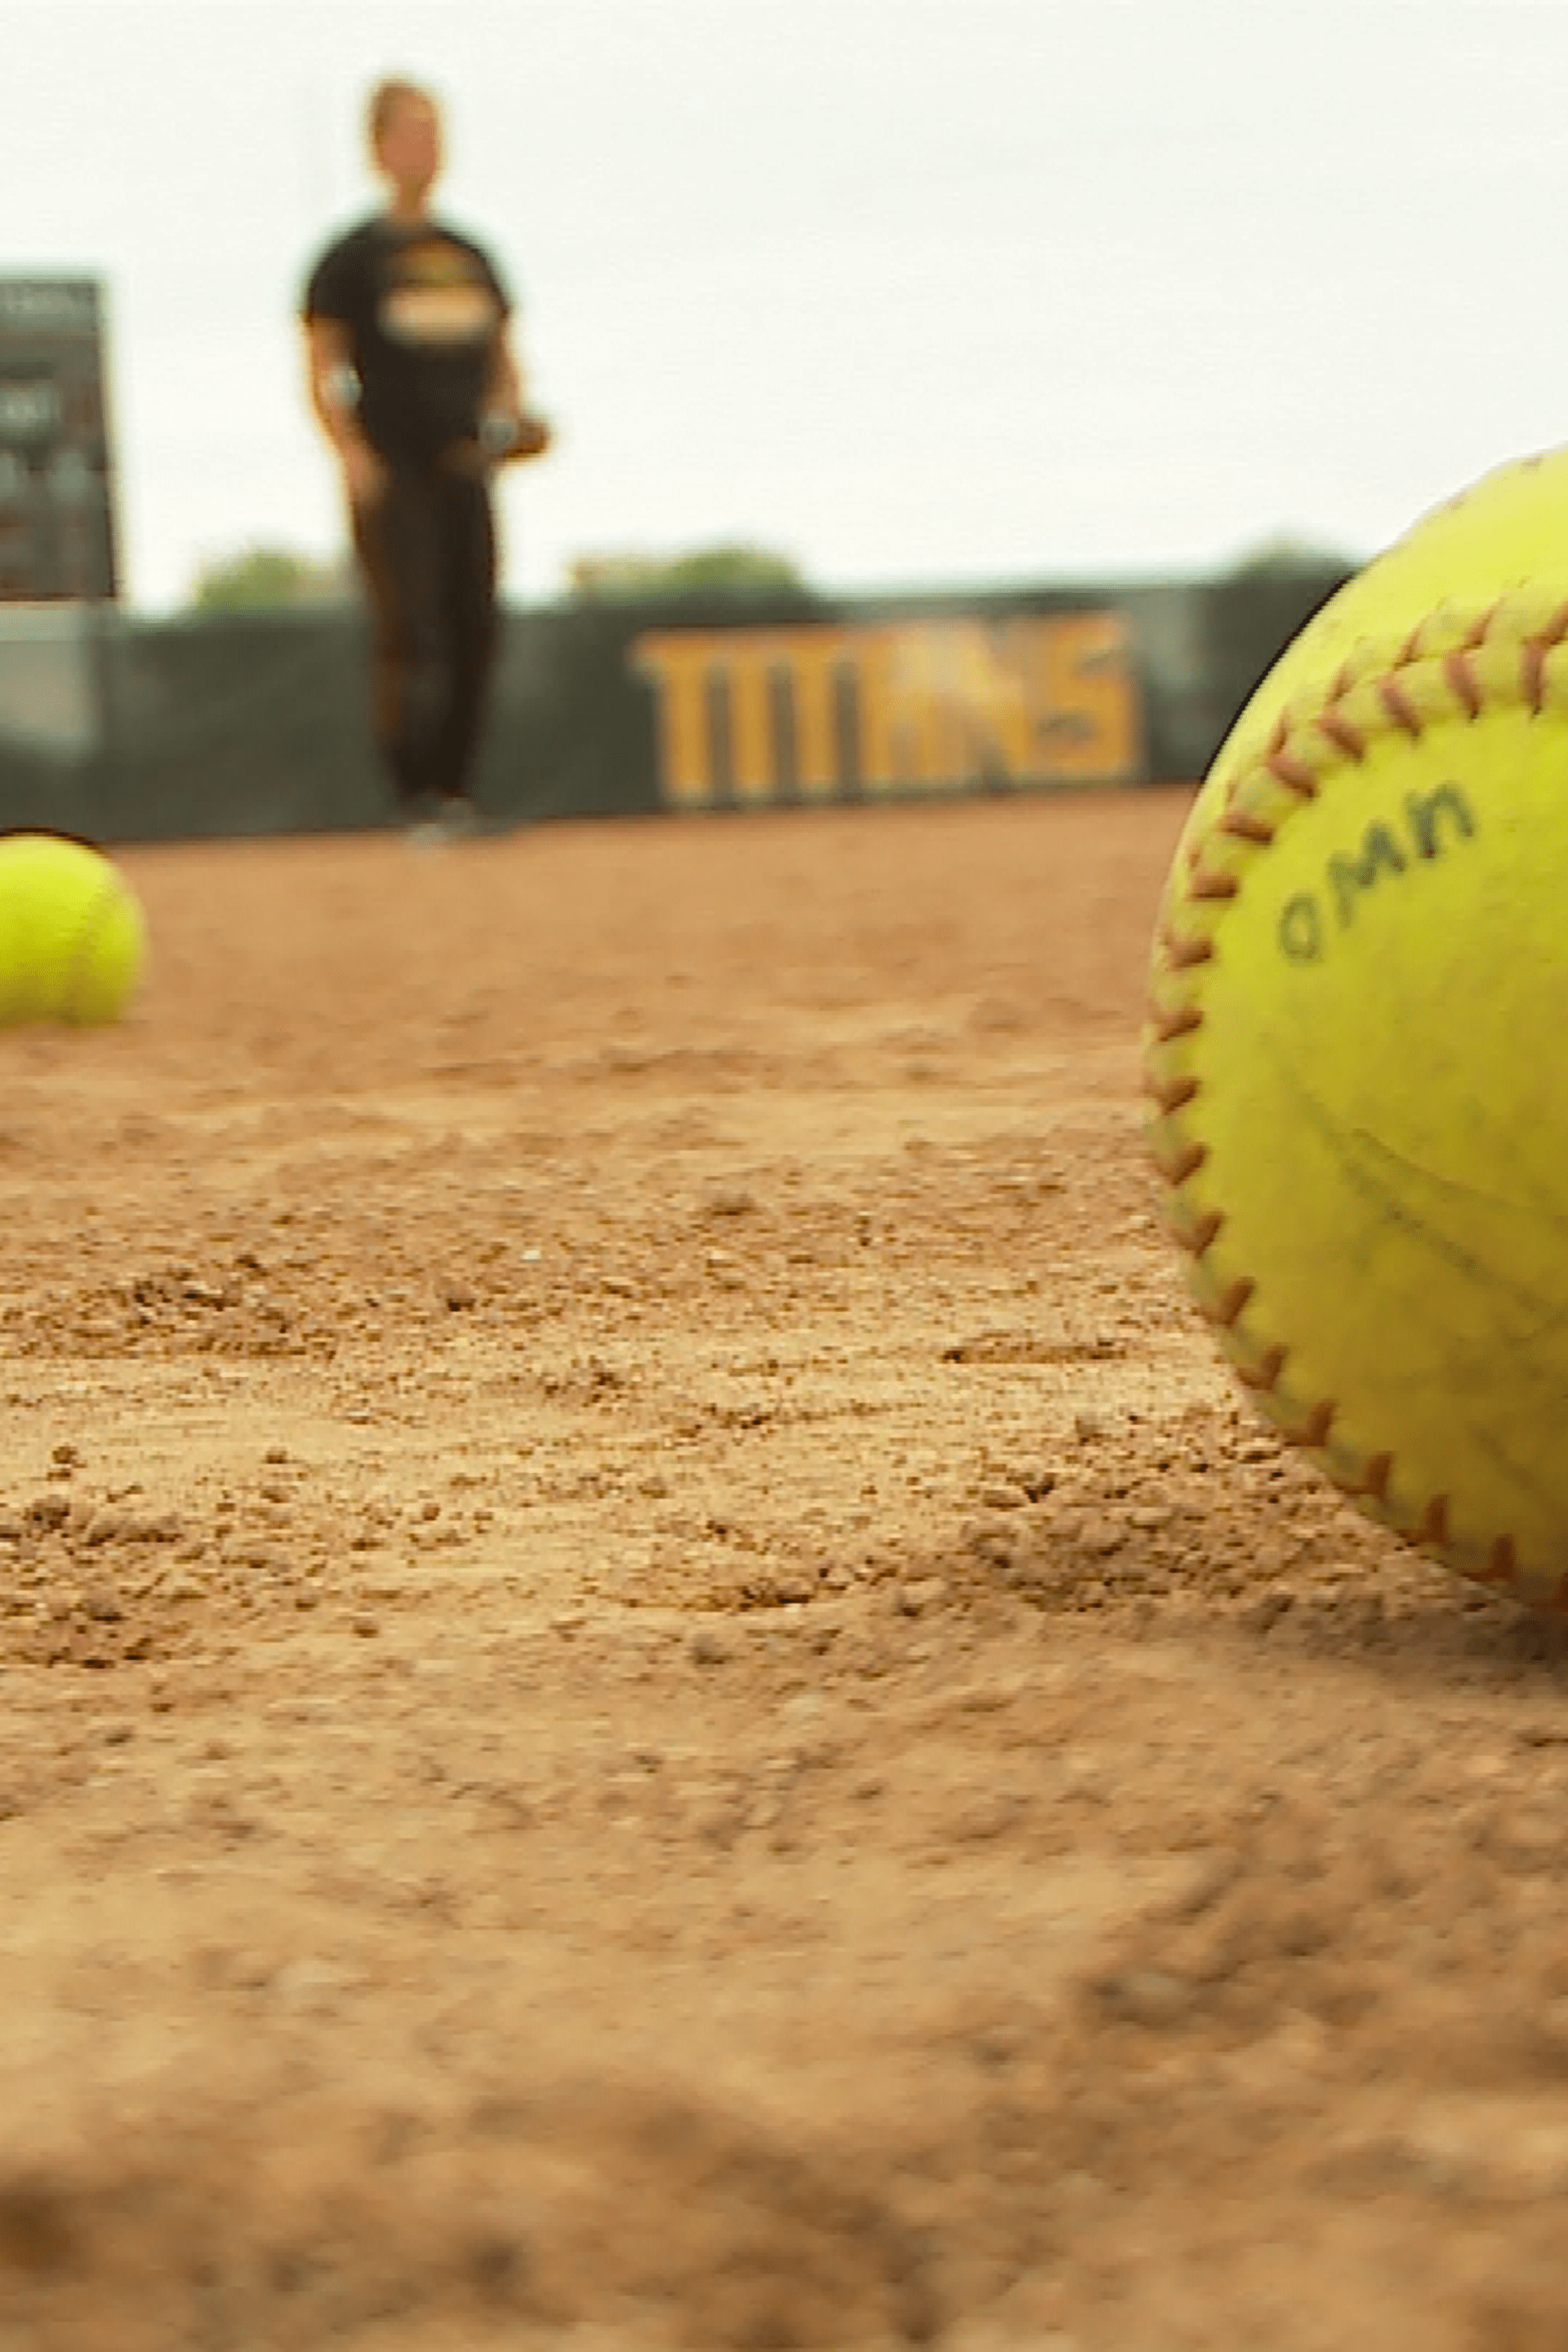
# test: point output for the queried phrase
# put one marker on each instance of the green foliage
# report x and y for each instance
(737, 570)
(266, 579)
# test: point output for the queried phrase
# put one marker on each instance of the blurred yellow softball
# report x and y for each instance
(1360, 986)
(73, 940)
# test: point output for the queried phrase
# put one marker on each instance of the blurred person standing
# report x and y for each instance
(413, 380)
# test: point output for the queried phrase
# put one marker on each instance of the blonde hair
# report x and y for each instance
(385, 100)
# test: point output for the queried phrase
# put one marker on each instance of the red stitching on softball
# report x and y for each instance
(1243, 827)
(1374, 1478)
(1172, 1094)
(1231, 1305)
(1185, 953)
(1204, 884)
(1337, 727)
(1196, 1234)
(1264, 1375)
(1293, 774)
(1177, 1166)
(1168, 1026)
(1534, 676)
(1432, 1528)
(1538, 647)
(1313, 1432)
(1399, 708)
(1462, 679)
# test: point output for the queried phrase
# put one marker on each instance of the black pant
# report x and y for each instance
(427, 551)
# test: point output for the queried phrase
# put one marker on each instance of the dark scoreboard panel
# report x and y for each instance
(57, 473)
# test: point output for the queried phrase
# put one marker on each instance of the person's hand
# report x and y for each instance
(510, 436)
(504, 437)
(530, 437)
(365, 475)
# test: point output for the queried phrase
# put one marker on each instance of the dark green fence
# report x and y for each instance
(121, 729)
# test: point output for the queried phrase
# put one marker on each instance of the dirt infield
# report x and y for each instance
(651, 1692)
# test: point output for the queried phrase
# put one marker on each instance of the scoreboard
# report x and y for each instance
(56, 474)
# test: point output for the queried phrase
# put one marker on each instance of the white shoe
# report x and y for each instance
(460, 820)
(455, 820)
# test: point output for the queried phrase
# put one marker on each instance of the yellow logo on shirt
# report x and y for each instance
(442, 300)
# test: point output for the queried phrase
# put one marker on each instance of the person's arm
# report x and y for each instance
(329, 374)
(504, 391)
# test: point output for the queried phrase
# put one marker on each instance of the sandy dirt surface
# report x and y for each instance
(652, 1692)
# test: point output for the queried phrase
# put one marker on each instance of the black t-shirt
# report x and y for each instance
(423, 307)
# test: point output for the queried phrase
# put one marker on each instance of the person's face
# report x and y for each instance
(409, 152)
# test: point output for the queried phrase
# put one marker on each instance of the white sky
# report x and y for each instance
(918, 291)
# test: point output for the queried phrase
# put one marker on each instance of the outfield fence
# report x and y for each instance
(125, 729)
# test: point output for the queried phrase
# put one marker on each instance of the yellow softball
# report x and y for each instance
(73, 940)
(1359, 974)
